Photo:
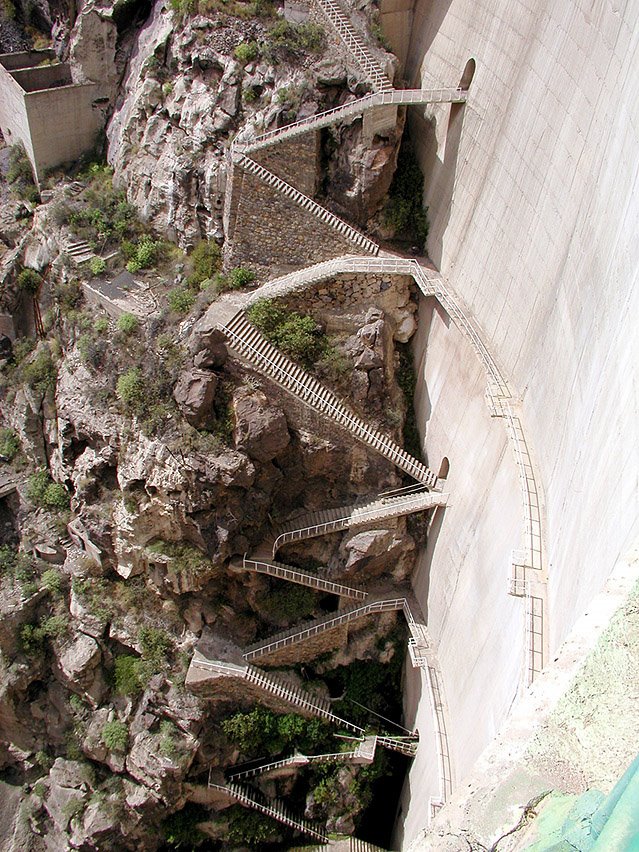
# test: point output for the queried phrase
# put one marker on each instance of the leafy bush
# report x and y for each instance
(298, 336)
(127, 323)
(290, 602)
(101, 325)
(130, 389)
(247, 51)
(9, 444)
(180, 829)
(127, 675)
(262, 731)
(115, 735)
(251, 828)
(51, 580)
(205, 260)
(20, 174)
(40, 373)
(404, 211)
(69, 296)
(29, 280)
(97, 265)
(293, 40)
(45, 493)
(32, 636)
(168, 733)
(144, 254)
(240, 277)
(181, 300)
(184, 557)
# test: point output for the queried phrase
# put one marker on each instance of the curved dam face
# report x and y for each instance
(534, 211)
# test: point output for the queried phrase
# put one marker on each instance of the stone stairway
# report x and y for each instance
(274, 808)
(395, 97)
(79, 251)
(306, 203)
(294, 575)
(345, 517)
(364, 753)
(247, 341)
(356, 46)
(296, 635)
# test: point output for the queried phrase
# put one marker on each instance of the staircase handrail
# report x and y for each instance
(356, 518)
(319, 625)
(340, 411)
(356, 107)
(308, 203)
(294, 575)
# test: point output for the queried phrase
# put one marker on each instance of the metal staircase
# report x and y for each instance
(364, 753)
(354, 43)
(294, 575)
(296, 635)
(306, 203)
(274, 808)
(395, 97)
(247, 341)
(344, 517)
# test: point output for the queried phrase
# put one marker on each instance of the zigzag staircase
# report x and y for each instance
(355, 45)
(395, 97)
(201, 667)
(345, 517)
(364, 753)
(294, 575)
(297, 635)
(306, 203)
(251, 798)
(247, 341)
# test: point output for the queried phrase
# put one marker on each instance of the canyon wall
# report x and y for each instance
(533, 207)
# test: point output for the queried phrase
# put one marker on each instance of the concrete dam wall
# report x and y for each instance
(532, 195)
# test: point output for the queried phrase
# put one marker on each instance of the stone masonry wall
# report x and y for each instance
(296, 161)
(303, 652)
(266, 219)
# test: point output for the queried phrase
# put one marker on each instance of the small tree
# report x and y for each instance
(29, 280)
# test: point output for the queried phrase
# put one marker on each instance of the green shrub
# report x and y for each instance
(404, 211)
(101, 325)
(262, 731)
(127, 675)
(45, 493)
(184, 8)
(115, 735)
(32, 636)
(184, 557)
(40, 373)
(298, 336)
(290, 602)
(294, 40)
(51, 580)
(69, 296)
(97, 265)
(155, 643)
(168, 745)
(247, 51)
(240, 277)
(127, 323)
(181, 300)
(181, 828)
(29, 280)
(9, 444)
(205, 261)
(130, 389)
(20, 174)
(251, 828)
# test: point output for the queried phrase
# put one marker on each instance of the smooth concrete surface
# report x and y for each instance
(462, 576)
(534, 210)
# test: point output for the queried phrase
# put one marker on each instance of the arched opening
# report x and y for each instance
(444, 468)
(467, 76)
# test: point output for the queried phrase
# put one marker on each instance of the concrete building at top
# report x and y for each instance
(41, 107)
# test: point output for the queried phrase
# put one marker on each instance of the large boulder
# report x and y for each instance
(261, 429)
(194, 394)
